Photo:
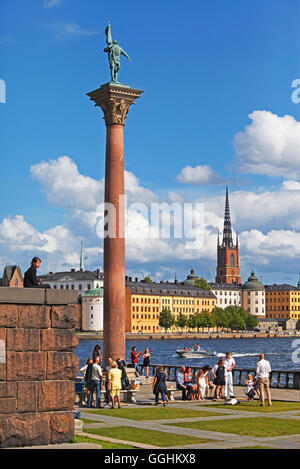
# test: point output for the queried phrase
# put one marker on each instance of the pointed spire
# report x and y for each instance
(81, 258)
(227, 232)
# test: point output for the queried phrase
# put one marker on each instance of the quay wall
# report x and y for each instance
(191, 336)
(37, 366)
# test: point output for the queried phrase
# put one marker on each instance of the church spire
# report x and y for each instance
(227, 232)
(81, 258)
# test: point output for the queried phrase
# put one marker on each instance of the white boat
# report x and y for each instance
(195, 352)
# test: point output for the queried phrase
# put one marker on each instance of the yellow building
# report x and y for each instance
(282, 301)
(145, 301)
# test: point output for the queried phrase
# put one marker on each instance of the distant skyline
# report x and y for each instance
(217, 109)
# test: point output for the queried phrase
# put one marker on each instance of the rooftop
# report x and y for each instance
(168, 289)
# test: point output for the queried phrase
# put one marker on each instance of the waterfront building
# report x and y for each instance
(228, 270)
(282, 301)
(227, 294)
(92, 310)
(253, 296)
(12, 277)
(81, 280)
(145, 301)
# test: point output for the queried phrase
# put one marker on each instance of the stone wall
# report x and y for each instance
(37, 366)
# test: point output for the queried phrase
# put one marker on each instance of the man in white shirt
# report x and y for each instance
(262, 374)
(229, 364)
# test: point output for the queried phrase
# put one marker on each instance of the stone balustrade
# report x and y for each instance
(280, 379)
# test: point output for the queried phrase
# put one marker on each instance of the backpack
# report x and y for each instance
(88, 374)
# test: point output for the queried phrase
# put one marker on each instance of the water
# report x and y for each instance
(245, 351)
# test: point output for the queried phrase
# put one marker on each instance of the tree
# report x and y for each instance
(166, 319)
(202, 283)
(182, 321)
(147, 279)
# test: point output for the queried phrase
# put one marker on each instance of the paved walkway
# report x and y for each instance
(224, 440)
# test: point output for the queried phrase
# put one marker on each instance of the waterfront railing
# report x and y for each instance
(280, 379)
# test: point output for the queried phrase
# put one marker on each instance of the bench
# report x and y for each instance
(127, 396)
(170, 393)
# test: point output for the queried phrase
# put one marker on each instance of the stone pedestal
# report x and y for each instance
(114, 100)
(37, 366)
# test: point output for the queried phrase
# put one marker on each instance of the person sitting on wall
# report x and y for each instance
(30, 279)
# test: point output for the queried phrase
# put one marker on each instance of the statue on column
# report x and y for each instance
(114, 54)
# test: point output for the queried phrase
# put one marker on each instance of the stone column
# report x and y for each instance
(114, 101)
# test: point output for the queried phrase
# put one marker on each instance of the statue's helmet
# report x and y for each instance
(115, 42)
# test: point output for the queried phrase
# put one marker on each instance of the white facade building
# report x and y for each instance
(81, 280)
(92, 310)
(227, 294)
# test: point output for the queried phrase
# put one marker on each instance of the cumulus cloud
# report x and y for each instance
(270, 145)
(202, 174)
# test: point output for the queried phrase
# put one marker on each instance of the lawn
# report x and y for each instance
(277, 406)
(150, 437)
(104, 444)
(257, 427)
(153, 413)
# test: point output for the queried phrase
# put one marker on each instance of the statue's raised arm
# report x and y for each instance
(108, 34)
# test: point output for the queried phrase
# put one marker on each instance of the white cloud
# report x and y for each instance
(202, 174)
(52, 3)
(270, 145)
(74, 29)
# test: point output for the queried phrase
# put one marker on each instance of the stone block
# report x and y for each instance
(62, 427)
(34, 317)
(8, 405)
(62, 365)
(8, 390)
(58, 339)
(8, 315)
(24, 430)
(65, 317)
(56, 395)
(32, 296)
(27, 396)
(61, 297)
(26, 366)
(23, 340)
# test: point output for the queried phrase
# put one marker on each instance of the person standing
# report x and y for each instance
(93, 377)
(263, 370)
(160, 386)
(106, 369)
(97, 354)
(229, 364)
(30, 279)
(209, 385)
(180, 382)
(114, 384)
(146, 361)
(219, 373)
(134, 358)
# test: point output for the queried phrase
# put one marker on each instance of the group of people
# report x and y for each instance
(114, 374)
(210, 382)
(146, 360)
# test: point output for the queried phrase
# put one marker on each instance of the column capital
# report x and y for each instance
(114, 101)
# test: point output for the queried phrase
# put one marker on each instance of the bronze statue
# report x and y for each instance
(114, 54)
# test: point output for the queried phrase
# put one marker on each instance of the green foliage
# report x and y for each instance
(182, 321)
(147, 279)
(202, 283)
(232, 317)
(166, 319)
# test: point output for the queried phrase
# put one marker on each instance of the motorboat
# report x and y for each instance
(195, 351)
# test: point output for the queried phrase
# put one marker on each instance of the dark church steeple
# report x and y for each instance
(228, 270)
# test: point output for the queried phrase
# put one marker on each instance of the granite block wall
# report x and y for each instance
(37, 367)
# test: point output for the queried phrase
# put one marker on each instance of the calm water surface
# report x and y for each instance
(245, 351)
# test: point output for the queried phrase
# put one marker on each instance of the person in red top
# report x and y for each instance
(134, 358)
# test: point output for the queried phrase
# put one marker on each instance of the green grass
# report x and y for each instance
(257, 427)
(104, 444)
(277, 406)
(153, 413)
(150, 437)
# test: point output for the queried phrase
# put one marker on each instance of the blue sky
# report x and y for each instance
(204, 66)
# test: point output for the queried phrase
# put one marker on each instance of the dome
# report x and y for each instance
(94, 292)
(253, 283)
(190, 280)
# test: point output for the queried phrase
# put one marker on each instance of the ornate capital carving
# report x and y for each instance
(114, 101)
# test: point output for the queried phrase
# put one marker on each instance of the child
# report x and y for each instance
(250, 392)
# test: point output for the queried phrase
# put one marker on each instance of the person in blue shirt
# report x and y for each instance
(180, 382)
